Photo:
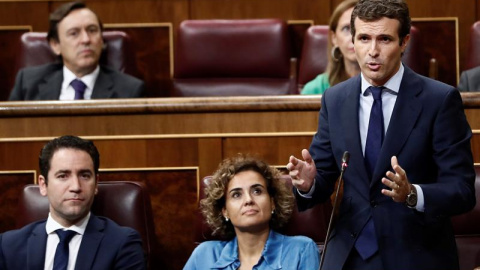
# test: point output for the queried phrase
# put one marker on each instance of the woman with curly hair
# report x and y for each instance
(246, 203)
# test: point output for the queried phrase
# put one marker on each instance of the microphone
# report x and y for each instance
(333, 215)
(345, 160)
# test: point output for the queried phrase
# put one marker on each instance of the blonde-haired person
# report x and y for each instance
(246, 203)
(342, 63)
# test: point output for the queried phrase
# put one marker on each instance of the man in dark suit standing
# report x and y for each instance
(69, 176)
(75, 35)
(411, 166)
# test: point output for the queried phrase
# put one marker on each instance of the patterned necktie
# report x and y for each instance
(366, 243)
(79, 88)
(60, 262)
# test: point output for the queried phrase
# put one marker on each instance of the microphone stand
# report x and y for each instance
(345, 159)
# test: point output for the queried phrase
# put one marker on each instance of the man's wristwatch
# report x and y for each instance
(411, 201)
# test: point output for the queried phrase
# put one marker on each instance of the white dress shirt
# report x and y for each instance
(74, 244)
(389, 97)
(68, 93)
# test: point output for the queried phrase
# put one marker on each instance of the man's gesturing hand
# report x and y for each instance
(302, 172)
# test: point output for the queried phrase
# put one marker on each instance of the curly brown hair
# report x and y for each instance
(213, 203)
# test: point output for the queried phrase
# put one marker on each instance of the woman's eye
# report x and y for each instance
(257, 191)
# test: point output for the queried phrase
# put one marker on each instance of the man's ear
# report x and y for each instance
(406, 39)
(43, 185)
(55, 45)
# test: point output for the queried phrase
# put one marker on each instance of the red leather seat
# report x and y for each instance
(232, 58)
(314, 59)
(117, 53)
(472, 57)
(126, 203)
(467, 232)
(312, 222)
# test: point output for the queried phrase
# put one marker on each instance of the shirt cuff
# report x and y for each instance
(420, 199)
(309, 194)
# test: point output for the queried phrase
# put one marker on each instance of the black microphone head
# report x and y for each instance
(346, 157)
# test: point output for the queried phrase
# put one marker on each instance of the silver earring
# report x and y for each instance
(273, 211)
(226, 219)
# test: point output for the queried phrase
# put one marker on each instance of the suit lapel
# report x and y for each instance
(103, 87)
(36, 247)
(350, 123)
(50, 88)
(405, 113)
(90, 243)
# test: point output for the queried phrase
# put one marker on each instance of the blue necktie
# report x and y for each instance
(375, 130)
(79, 88)
(366, 243)
(60, 262)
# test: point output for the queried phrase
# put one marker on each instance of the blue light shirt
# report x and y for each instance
(280, 252)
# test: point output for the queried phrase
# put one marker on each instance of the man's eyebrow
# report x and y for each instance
(63, 171)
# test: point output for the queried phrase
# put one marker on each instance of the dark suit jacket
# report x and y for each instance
(105, 245)
(429, 134)
(470, 80)
(45, 82)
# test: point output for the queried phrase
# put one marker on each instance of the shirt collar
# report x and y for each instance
(271, 253)
(52, 225)
(393, 84)
(88, 80)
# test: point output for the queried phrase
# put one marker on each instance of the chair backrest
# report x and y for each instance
(232, 58)
(472, 57)
(126, 203)
(116, 54)
(312, 222)
(467, 232)
(314, 58)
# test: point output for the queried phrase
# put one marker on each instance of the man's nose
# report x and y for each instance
(75, 184)
(373, 50)
(84, 36)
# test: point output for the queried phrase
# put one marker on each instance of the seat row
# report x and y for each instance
(224, 57)
(128, 204)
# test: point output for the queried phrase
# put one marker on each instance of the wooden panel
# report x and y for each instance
(439, 39)
(153, 47)
(319, 11)
(463, 10)
(9, 50)
(12, 183)
(275, 150)
(34, 13)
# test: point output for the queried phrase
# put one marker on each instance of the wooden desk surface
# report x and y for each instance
(167, 143)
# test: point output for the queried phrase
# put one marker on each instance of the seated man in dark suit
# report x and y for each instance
(75, 35)
(71, 237)
(470, 80)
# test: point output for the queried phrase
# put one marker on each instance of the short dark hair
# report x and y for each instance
(60, 13)
(374, 10)
(68, 141)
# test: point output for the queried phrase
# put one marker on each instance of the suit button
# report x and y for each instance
(373, 203)
(353, 234)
